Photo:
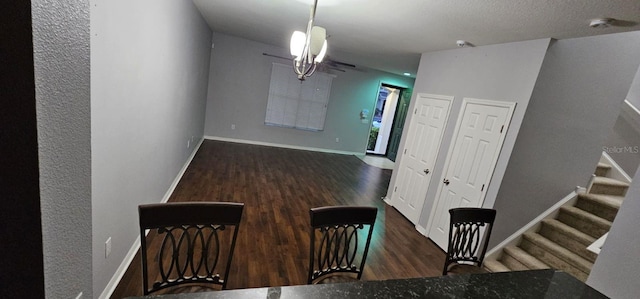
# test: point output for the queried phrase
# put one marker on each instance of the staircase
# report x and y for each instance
(560, 240)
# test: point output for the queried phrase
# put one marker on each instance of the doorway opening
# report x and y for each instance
(388, 120)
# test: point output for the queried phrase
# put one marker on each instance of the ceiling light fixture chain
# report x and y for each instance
(308, 49)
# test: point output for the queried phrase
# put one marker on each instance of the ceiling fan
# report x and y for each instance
(326, 65)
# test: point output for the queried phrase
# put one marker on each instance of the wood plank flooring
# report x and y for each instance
(278, 187)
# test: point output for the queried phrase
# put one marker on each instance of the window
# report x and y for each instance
(296, 104)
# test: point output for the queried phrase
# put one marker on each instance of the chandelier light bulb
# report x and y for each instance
(308, 49)
(297, 43)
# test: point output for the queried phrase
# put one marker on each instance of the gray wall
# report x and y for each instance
(623, 145)
(634, 91)
(615, 272)
(239, 87)
(505, 72)
(149, 68)
(62, 71)
(574, 105)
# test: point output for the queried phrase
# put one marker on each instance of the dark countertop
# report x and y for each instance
(520, 284)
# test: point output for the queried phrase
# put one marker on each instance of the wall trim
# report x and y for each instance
(126, 262)
(313, 149)
(596, 246)
(631, 114)
(422, 230)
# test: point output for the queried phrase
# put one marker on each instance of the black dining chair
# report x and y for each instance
(339, 242)
(469, 233)
(189, 247)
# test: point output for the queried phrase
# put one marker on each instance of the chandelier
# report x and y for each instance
(308, 49)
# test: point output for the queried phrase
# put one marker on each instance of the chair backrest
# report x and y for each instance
(335, 246)
(469, 233)
(189, 243)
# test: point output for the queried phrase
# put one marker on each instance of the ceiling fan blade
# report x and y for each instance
(325, 64)
(343, 63)
(277, 56)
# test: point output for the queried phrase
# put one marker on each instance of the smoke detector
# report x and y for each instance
(601, 23)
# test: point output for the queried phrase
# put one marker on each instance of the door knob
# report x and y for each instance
(426, 171)
(446, 182)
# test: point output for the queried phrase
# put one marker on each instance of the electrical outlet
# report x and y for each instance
(233, 127)
(337, 139)
(107, 248)
(188, 143)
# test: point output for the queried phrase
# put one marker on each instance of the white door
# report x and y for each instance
(387, 122)
(421, 149)
(477, 142)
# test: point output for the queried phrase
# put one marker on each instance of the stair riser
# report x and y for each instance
(602, 171)
(575, 246)
(552, 260)
(590, 228)
(513, 263)
(495, 266)
(597, 188)
(597, 209)
(524, 258)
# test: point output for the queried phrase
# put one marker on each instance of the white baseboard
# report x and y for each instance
(421, 230)
(113, 283)
(631, 113)
(387, 200)
(126, 262)
(596, 246)
(313, 149)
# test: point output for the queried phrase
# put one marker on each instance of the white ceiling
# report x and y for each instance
(390, 35)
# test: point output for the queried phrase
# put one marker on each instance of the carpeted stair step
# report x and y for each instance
(495, 266)
(511, 262)
(601, 205)
(517, 259)
(602, 185)
(556, 256)
(602, 169)
(568, 237)
(584, 221)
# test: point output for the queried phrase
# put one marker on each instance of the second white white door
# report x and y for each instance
(477, 142)
(419, 155)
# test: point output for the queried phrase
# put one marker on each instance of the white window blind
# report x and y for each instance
(295, 104)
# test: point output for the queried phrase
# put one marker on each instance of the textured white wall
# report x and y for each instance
(62, 71)
(149, 68)
(239, 87)
(505, 72)
(615, 272)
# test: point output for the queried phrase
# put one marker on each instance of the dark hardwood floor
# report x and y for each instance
(278, 187)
